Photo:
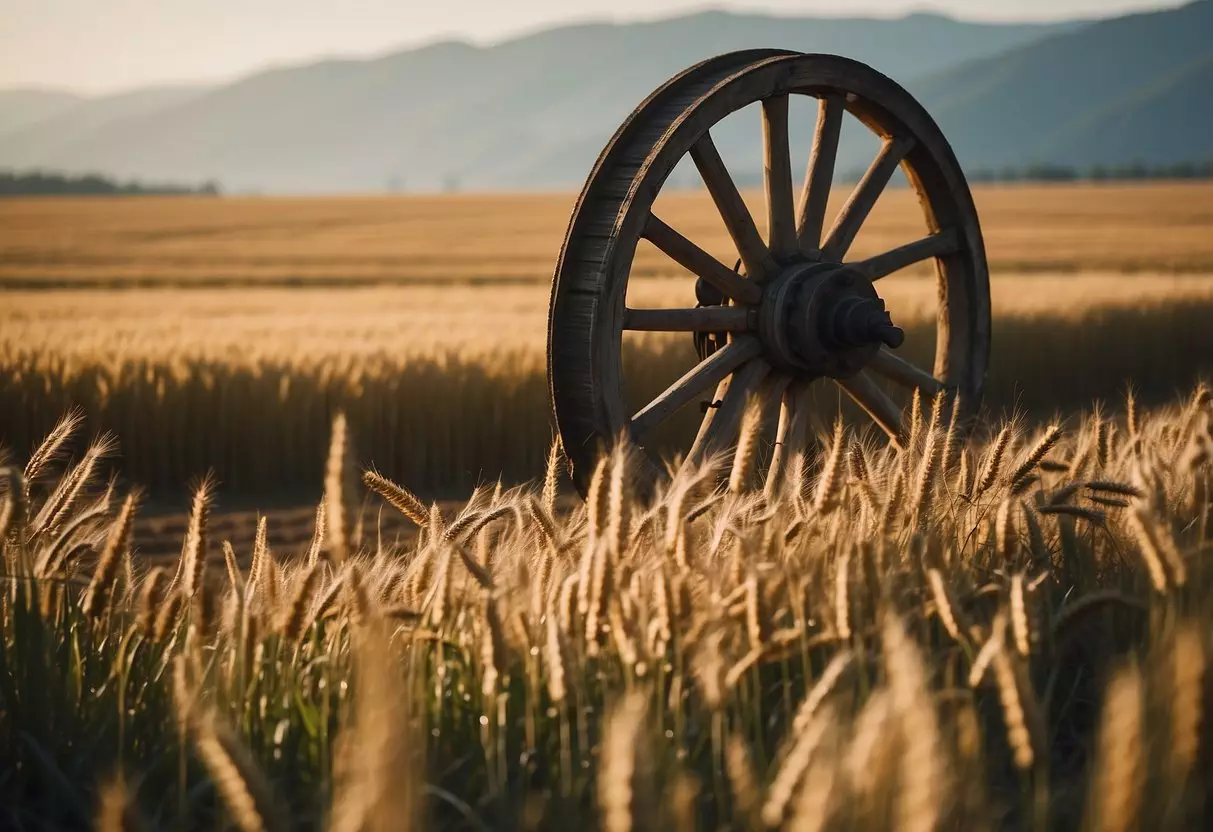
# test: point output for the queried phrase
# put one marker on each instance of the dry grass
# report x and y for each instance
(460, 239)
(846, 661)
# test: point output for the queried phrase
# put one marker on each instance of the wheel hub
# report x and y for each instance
(824, 319)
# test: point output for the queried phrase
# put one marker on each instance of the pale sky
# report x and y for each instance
(107, 45)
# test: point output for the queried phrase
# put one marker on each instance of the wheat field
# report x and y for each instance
(156, 241)
(447, 387)
(1007, 628)
(222, 334)
(1003, 633)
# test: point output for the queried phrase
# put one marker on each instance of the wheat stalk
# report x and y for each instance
(245, 791)
(1188, 665)
(336, 493)
(102, 584)
(116, 809)
(795, 761)
(829, 480)
(618, 504)
(993, 461)
(398, 497)
(944, 606)
(617, 782)
(1116, 795)
(742, 780)
(296, 617)
(1019, 478)
(747, 446)
(193, 558)
(1012, 689)
(48, 450)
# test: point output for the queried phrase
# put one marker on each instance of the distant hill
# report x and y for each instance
(535, 111)
(1132, 89)
(22, 108)
(65, 127)
(530, 112)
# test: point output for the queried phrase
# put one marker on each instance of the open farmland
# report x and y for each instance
(965, 610)
(424, 319)
(473, 239)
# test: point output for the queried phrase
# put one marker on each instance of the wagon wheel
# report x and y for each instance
(797, 310)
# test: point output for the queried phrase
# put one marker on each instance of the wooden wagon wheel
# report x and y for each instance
(797, 310)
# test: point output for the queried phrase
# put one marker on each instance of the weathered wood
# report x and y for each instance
(777, 177)
(705, 426)
(722, 428)
(737, 220)
(698, 319)
(699, 378)
(883, 410)
(790, 435)
(933, 245)
(853, 214)
(903, 372)
(698, 262)
(820, 173)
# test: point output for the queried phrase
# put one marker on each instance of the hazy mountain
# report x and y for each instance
(530, 112)
(1136, 88)
(52, 140)
(21, 108)
(535, 111)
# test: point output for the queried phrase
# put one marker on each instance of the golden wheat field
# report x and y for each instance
(465, 239)
(1004, 628)
(222, 334)
(1011, 633)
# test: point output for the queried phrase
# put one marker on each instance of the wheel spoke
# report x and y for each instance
(737, 219)
(699, 319)
(699, 378)
(933, 245)
(777, 171)
(859, 205)
(896, 368)
(883, 410)
(820, 173)
(722, 390)
(790, 435)
(699, 263)
(719, 431)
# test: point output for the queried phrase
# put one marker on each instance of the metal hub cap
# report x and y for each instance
(824, 319)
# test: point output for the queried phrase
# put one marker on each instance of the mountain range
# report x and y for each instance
(533, 112)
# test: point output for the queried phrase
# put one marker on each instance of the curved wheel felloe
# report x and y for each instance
(797, 309)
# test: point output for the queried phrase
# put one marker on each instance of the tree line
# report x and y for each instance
(45, 183)
(1092, 173)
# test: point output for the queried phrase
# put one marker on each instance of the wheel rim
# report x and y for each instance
(801, 311)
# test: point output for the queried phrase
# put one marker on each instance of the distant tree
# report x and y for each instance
(1043, 172)
(44, 183)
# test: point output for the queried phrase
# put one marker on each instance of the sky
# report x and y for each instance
(100, 46)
